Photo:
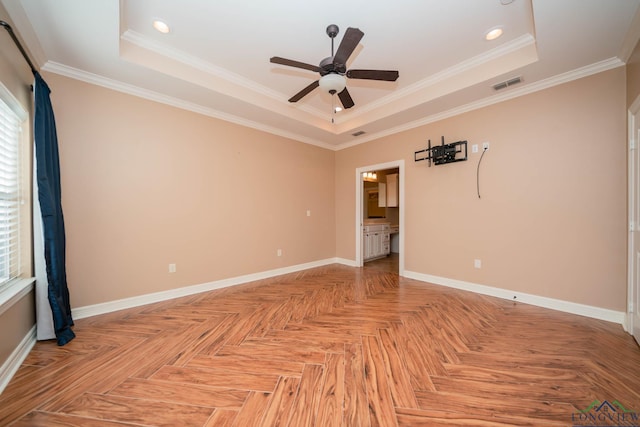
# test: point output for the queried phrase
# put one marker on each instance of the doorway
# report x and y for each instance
(633, 294)
(396, 216)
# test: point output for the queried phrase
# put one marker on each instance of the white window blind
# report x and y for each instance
(10, 128)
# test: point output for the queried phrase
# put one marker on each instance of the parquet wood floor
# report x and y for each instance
(330, 346)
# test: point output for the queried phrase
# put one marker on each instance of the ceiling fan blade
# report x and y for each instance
(348, 44)
(386, 75)
(298, 96)
(345, 98)
(292, 63)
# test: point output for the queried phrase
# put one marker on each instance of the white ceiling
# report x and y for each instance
(215, 60)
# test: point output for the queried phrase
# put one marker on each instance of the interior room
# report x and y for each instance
(381, 217)
(352, 214)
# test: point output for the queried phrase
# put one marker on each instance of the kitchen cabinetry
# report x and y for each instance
(376, 241)
(392, 190)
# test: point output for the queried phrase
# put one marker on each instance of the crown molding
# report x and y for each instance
(465, 66)
(447, 80)
(576, 74)
(195, 62)
(98, 80)
(143, 42)
(95, 79)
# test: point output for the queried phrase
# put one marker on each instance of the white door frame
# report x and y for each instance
(633, 216)
(359, 209)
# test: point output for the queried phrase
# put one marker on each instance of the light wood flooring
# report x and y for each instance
(330, 346)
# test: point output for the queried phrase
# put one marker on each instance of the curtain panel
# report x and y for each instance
(49, 196)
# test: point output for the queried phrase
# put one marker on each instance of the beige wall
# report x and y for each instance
(633, 76)
(551, 220)
(16, 323)
(146, 184)
(17, 320)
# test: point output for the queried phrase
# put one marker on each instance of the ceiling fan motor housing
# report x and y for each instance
(327, 66)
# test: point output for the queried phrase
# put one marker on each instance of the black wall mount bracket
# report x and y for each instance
(443, 153)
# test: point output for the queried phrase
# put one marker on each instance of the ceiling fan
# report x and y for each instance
(333, 69)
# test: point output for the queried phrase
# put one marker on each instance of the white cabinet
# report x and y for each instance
(392, 190)
(376, 241)
(382, 195)
(371, 245)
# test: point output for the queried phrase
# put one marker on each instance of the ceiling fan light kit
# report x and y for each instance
(333, 70)
(333, 83)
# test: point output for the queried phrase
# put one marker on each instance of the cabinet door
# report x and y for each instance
(392, 190)
(382, 195)
(367, 245)
(377, 244)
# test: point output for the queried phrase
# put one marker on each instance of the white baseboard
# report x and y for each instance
(554, 304)
(111, 306)
(11, 365)
(344, 261)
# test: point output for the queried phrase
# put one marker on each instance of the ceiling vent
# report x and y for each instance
(505, 84)
(360, 132)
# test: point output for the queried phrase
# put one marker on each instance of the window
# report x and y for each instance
(10, 130)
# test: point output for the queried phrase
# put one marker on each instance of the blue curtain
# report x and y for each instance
(49, 195)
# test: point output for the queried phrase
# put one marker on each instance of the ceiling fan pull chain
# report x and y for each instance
(333, 103)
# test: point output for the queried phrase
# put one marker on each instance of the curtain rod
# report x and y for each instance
(17, 42)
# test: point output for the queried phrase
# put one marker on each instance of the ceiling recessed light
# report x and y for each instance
(161, 26)
(493, 34)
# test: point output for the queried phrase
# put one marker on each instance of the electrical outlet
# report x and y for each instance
(172, 268)
(477, 263)
(485, 145)
(279, 252)
(474, 148)
(308, 212)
